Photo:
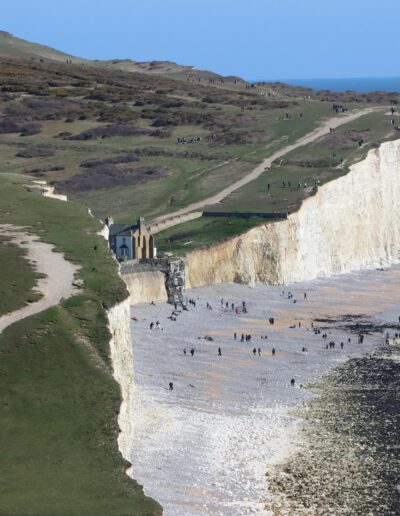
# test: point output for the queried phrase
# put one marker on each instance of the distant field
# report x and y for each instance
(140, 144)
(322, 161)
(291, 180)
(67, 104)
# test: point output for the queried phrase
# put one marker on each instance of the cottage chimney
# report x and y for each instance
(109, 221)
(141, 224)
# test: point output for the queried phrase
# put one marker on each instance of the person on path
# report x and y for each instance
(305, 295)
(259, 352)
(219, 352)
(341, 345)
(292, 381)
(184, 351)
(151, 325)
(254, 351)
(273, 352)
(192, 351)
(171, 386)
(234, 336)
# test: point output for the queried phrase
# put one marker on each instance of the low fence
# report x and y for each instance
(246, 214)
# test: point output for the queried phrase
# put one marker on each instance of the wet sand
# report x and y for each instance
(205, 447)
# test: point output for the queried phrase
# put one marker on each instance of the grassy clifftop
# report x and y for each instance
(59, 400)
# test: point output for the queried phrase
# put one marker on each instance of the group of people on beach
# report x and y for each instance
(246, 338)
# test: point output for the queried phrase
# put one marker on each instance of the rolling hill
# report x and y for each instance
(14, 47)
(11, 46)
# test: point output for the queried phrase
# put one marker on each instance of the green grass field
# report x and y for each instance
(59, 401)
(17, 278)
(189, 179)
(310, 166)
(203, 232)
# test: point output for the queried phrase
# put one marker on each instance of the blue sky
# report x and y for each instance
(256, 39)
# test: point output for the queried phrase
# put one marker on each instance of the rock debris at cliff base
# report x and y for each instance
(206, 446)
(348, 462)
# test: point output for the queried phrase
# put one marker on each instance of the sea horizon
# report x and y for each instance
(341, 84)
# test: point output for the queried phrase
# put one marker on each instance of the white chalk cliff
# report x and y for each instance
(145, 287)
(351, 223)
(122, 362)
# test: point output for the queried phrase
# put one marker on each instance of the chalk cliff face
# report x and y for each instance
(122, 362)
(145, 287)
(352, 223)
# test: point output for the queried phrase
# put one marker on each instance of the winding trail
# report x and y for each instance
(266, 163)
(56, 285)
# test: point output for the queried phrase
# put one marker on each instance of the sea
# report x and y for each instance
(359, 84)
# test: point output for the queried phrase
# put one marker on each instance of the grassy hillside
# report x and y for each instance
(284, 186)
(59, 399)
(18, 278)
(130, 144)
(126, 143)
(11, 46)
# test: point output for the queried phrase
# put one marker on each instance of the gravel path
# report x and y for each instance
(266, 163)
(205, 447)
(58, 283)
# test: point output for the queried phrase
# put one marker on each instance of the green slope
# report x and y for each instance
(11, 46)
(59, 401)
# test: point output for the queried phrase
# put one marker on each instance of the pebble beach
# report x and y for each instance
(212, 444)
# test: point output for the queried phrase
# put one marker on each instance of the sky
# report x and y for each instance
(254, 39)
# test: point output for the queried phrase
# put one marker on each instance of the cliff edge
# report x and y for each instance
(351, 223)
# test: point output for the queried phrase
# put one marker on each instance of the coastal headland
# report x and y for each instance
(85, 383)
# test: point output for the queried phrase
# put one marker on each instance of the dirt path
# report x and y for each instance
(57, 284)
(266, 163)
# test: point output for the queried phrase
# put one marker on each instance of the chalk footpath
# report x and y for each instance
(59, 274)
